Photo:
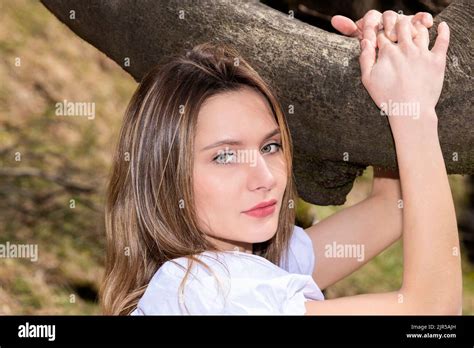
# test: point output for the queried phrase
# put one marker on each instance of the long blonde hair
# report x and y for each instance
(145, 223)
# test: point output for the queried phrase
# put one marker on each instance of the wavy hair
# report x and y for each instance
(145, 223)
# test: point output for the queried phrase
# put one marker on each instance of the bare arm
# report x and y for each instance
(370, 225)
(432, 277)
(376, 222)
(432, 282)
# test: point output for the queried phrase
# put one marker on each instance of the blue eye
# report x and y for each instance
(228, 157)
(224, 158)
(277, 147)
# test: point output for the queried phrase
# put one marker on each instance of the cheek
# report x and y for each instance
(277, 166)
(214, 190)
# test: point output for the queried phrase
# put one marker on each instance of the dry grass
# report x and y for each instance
(57, 65)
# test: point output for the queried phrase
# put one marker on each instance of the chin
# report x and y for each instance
(265, 234)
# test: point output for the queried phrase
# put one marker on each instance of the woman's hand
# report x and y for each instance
(368, 26)
(406, 73)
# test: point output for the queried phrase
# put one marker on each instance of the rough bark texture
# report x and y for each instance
(337, 130)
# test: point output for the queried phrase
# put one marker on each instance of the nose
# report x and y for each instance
(261, 174)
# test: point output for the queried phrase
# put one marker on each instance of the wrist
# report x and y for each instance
(425, 121)
(422, 135)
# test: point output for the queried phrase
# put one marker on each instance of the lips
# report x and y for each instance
(262, 205)
(263, 209)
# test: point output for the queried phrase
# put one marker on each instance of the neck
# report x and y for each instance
(231, 245)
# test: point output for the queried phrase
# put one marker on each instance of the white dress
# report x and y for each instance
(247, 284)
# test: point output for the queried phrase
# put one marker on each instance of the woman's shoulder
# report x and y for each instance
(223, 264)
(233, 283)
(300, 257)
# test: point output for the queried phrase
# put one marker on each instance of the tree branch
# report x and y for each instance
(336, 128)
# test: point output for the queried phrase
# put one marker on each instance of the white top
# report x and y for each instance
(252, 285)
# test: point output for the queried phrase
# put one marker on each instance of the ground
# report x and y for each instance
(55, 65)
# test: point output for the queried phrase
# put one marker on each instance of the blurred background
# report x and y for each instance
(53, 170)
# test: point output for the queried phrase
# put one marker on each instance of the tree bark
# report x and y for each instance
(337, 130)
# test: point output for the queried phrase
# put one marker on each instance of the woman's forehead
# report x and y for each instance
(235, 113)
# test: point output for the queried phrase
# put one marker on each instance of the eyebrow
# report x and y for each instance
(238, 142)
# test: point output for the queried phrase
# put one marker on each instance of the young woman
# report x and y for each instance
(200, 211)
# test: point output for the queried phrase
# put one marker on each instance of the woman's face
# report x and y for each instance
(238, 164)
